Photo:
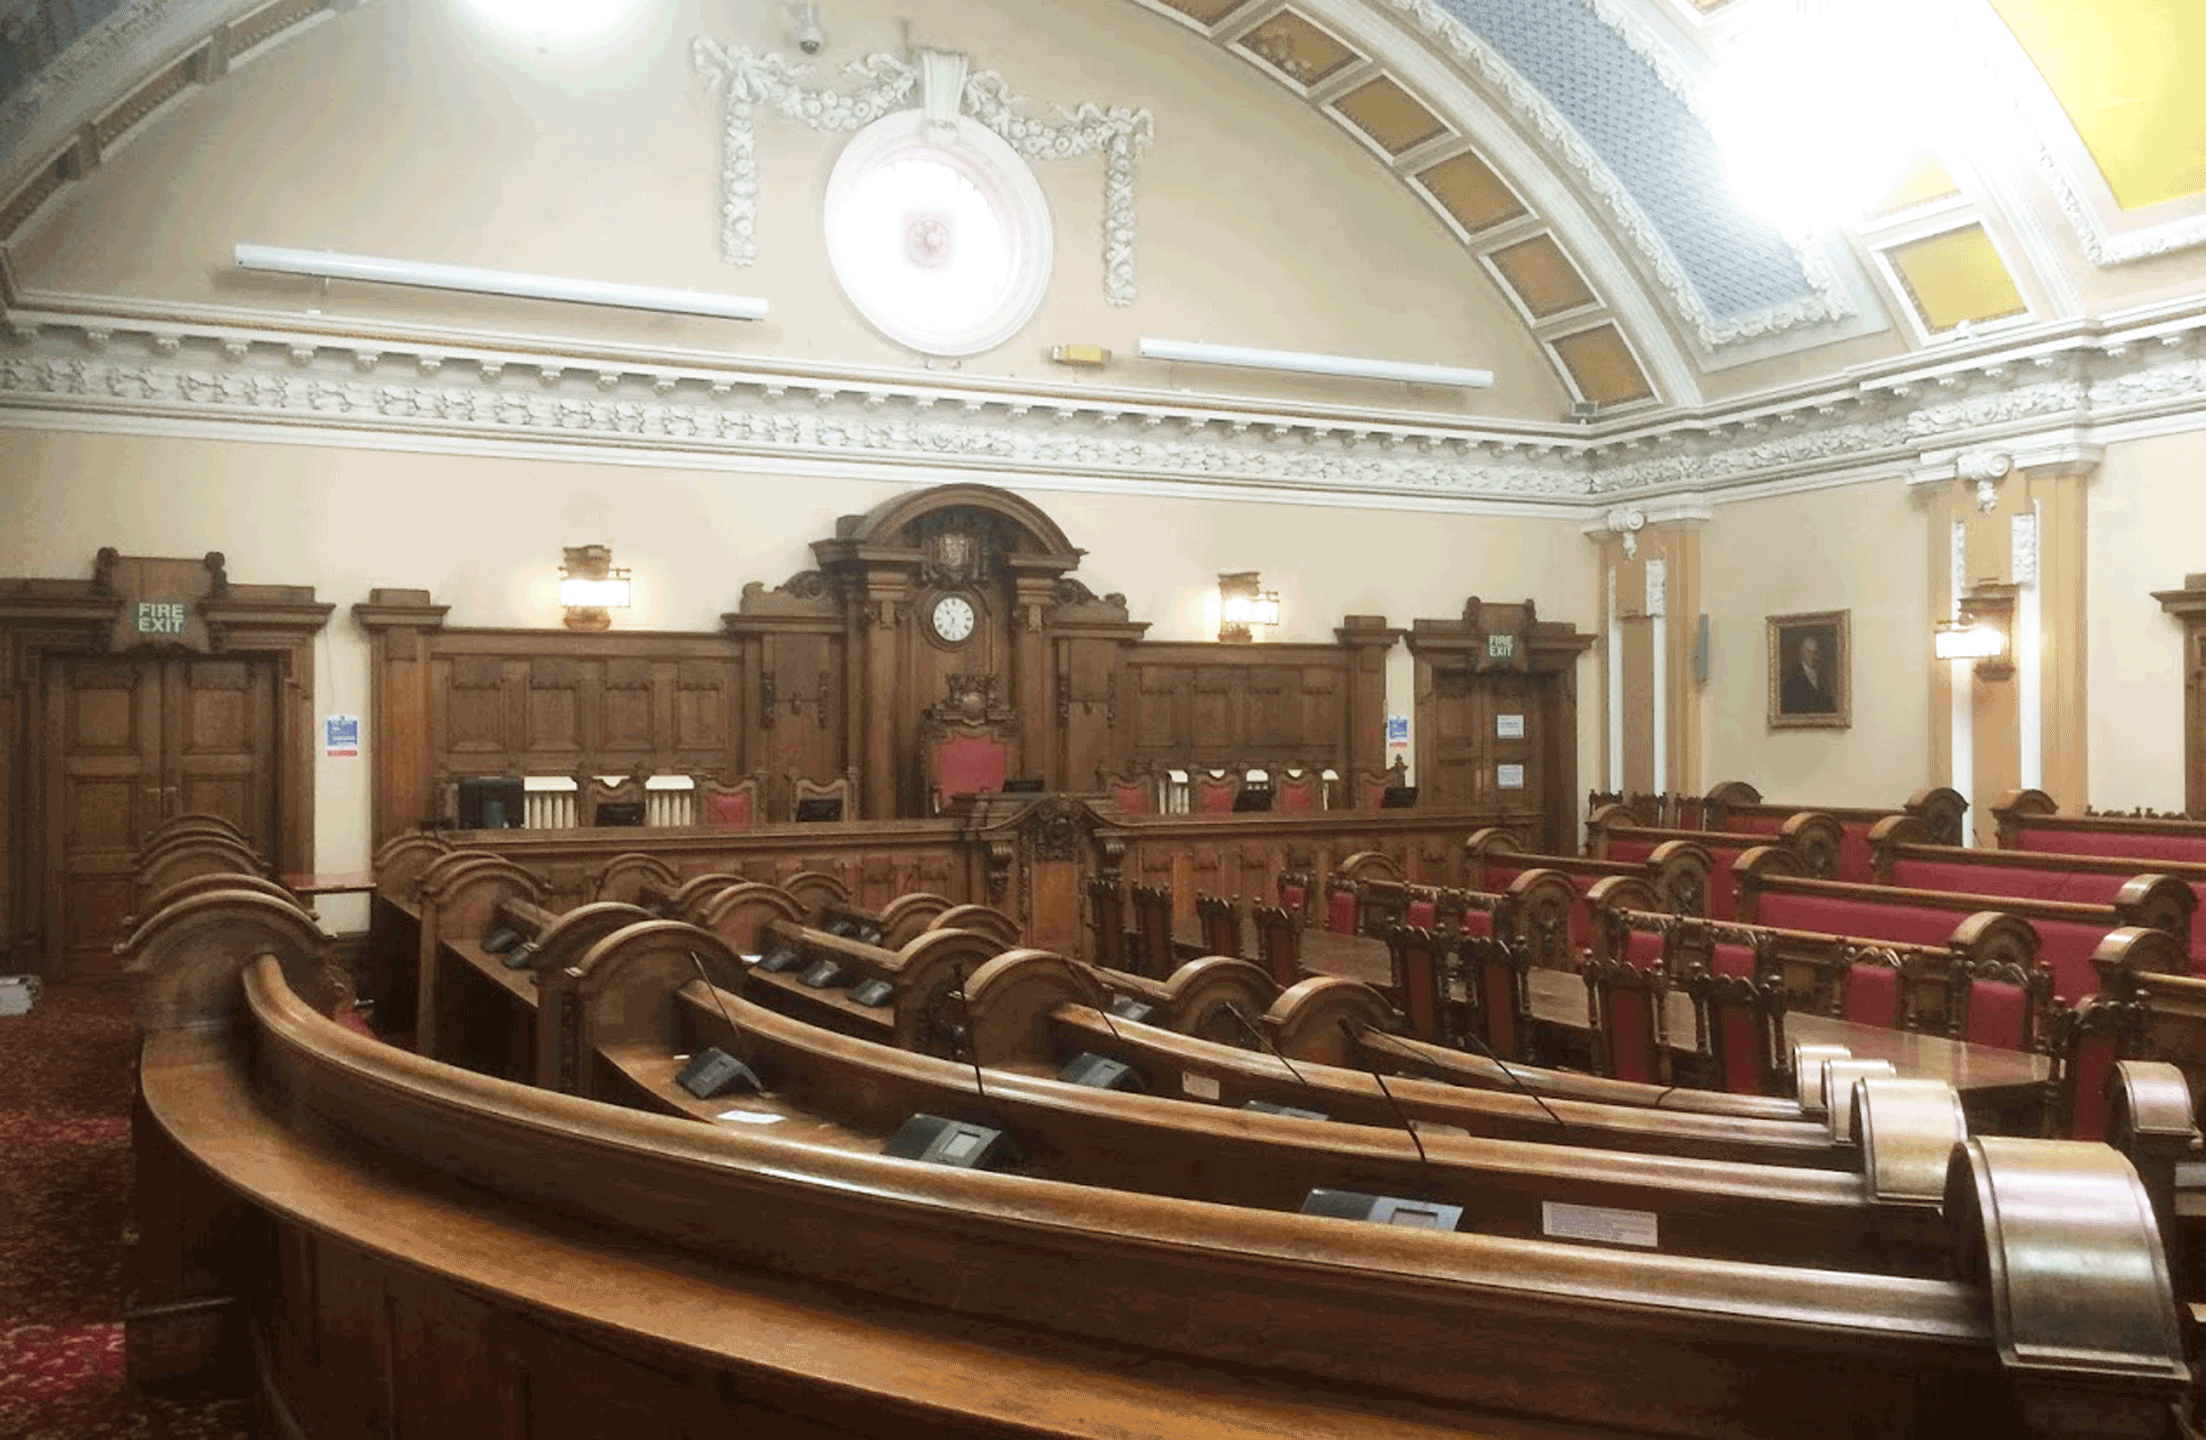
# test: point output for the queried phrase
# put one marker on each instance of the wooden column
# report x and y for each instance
(2189, 606)
(1367, 638)
(885, 761)
(1034, 597)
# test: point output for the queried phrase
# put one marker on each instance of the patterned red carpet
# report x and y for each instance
(64, 1231)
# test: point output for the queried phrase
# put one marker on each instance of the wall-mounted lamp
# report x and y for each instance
(1981, 633)
(589, 586)
(1243, 603)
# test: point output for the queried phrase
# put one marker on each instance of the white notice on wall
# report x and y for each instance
(1594, 1222)
(1509, 777)
(1508, 727)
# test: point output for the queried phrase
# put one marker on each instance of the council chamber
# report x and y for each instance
(1366, 718)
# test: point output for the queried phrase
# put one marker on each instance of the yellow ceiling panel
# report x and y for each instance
(2126, 73)
(1542, 275)
(1390, 115)
(1925, 179)
(1602, 366)
(1471, 192)
(1298, 49)
(1956, 276)
(1210, 12)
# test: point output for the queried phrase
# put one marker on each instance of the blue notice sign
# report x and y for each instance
(341, 735)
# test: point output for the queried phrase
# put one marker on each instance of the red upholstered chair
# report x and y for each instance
(2087, 1041)
(966, 760)
(1420, 979)
(1421, 906)
(1278, 943)
(1998, 1003)
(1626, 1002)
(1212, 792)
(1221, 922)
(1341, 904)
(1371, 786)
(1296, 887)
(1741, 1020)
(1297, 792)
(1129, 794)
(1872, 985)
(1494, 974)
(723, 806)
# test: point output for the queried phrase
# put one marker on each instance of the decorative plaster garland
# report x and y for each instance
(885, 83)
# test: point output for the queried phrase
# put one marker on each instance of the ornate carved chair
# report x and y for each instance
(1221, 922)
(1296, 887)
(1153, 930)
(1500, 996)
(1212, 791)
(1871, 985)
(1107, 922)
(725, 806)
(1626, 1002)
(966, 741)
(1130, 794)
(1342, 905)
(619, 803)
(2087, 1041)
(1999, 1003)
(1371, 785)
(804, 791)
(1420, 979)
(1741, 1020)
(1297, 792)
(1278, 943)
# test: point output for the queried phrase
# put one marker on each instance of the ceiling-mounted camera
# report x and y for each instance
(810, 39)
(803, 17)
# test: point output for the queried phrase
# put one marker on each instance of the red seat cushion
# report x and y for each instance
(2065, 949)
(2113, 842)
(1632, 851)
(1499, 999)
(1297, 799)
(1340, 912)
(1853, 851)
(1960, 878)
(1737, 1038)
(1420, 989)
(969, 764)
(2094, 1056)
(1419, 913)
(1643, 949)
(1132, 799)
(1478, 924)
(729, 810)
(1837, 915)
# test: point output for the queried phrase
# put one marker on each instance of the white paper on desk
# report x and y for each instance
(750, 959)
(753, 1117)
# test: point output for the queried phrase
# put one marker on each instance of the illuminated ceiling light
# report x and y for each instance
(556, 22)
(1820, 105)
(589, 586)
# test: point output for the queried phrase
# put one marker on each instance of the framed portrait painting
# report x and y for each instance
(1811, 659)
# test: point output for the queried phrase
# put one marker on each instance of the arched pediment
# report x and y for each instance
(894, 522)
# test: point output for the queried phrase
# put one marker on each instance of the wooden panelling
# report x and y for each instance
(1226, 704)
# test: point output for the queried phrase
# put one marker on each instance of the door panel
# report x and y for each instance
(130, 743)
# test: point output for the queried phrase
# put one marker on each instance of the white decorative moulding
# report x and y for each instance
(883, 83)
(2022, 566)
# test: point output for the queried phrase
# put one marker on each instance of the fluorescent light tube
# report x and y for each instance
(330, 265)
(1345, 365)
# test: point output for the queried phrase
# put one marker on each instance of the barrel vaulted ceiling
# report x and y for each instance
(1572, 148)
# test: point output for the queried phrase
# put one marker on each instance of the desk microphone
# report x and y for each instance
(1487, 1050)
(972, 1046)
(1355, 1047)
(716, 1070)
(1265, 1041)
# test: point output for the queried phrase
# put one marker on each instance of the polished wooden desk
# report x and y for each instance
(328, 882)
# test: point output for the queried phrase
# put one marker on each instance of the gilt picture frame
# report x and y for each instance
(1811, 661)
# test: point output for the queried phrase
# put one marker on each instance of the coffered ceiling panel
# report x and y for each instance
(1954, 277)
(1542, 276)
(1387, 113)
(1210, 12)
(1298, 49)
(1602, 366)
(1471, 192)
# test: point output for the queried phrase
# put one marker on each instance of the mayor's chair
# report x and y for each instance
(965, 742)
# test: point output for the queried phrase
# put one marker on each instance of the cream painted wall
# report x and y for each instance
(1859, 549)
(2147, 513)
(483, 535)
(403, 129)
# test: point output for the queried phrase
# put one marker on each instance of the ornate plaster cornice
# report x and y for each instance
(884, 83)
(184, 373)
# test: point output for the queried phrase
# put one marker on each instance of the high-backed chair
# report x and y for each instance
(1221, 922)
(1153, 930)
(1130, 794)
(618, 803)
(2087, 1042)
(1107, 922)
(1494, 978)
(1342, 905)
(1999, 1003)
(1278, 943)
(1370, 786)
(1296, 888)
(804, 790)
(1297, 792)
(1871, 987)
(965, 760)
(1626, 1002)
(1212, 792)
(1420, 979)
(725, 806)
(1741, 1020)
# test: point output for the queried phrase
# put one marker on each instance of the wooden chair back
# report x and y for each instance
(1420, 980)
(1870, 986)
(1741, 1021)
(612, 804)
(1297, 889)
(844, 787)
(1221, 922)
(1107, 922)
(1500, 997)
(2087, 1042)
(1153, 931)
(1278, 943)
(1129, 794)
(1999, 1003)
(1626, 1003)
(1212, 791)
(1342, 905)
(1298, 792)
(722, 805)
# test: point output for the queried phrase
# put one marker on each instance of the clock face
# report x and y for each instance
(953, 618)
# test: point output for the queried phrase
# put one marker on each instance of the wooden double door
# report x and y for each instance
(131, 741)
